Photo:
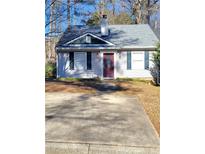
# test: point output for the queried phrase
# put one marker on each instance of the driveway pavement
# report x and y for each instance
(97, 124)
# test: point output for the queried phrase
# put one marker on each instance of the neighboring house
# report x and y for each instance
(106, 51)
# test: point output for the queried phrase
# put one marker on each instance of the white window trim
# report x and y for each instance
(138, 60)
(85, 60)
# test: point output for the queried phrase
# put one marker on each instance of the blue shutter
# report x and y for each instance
(71, 59)
(89, 60)
(146, 60)
(129, 60)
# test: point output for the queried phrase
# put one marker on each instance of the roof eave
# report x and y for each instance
(134, 48)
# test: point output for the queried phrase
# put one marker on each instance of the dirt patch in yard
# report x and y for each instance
(148, 94)
(67, 86)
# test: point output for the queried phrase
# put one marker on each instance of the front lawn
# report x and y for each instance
(148, 94)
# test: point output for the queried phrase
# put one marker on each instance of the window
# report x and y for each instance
(129, 60)
(88, 39)
(137, 60)
(89, 61)
(71, 59)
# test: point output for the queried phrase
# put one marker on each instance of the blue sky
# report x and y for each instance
(83, 8)
(89, 9)
(80, 8)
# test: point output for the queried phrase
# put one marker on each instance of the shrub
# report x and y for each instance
(155, 71)
(50, 70)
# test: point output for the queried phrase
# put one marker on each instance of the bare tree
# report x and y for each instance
(141, 10)
(101, 5)
(152, 6)
(68, 13)
(55, 13)
(113, 6)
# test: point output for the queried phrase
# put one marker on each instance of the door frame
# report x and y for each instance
(102, 64)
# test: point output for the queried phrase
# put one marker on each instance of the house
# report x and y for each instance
(106, 51)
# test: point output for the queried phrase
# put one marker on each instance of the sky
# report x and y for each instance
(77, 19)
(83, 8)
(89, 9)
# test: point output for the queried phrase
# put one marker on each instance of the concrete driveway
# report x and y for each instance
(97, 123)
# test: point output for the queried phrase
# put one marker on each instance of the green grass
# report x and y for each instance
(68, 79)
(133, 80)
(98, 80)
(79, 79)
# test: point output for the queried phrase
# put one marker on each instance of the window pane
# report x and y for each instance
(89, 60)
(137, 60)
(71, 59)
(129, 60)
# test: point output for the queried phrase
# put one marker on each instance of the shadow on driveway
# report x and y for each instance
(92, 84)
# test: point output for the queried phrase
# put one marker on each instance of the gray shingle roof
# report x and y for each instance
(126, 36)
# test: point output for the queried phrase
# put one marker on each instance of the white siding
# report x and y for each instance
(139, 61)
(63, 64)
(80, 61)
(80, 65)
(138, 65)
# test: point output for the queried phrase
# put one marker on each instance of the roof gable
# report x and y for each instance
(88, 39)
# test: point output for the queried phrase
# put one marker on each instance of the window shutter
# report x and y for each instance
(89, 60)
(129, 60)
(146, 60)
(71, 59)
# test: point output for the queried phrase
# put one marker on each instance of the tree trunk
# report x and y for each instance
(68, 14)
(113, 7)
(139, 17)
(74, 12)
(102, 7)
(148, 12)
(54, 18)
(60, 16)
(51, 15)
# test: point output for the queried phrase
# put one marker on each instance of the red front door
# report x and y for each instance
(108, 65)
